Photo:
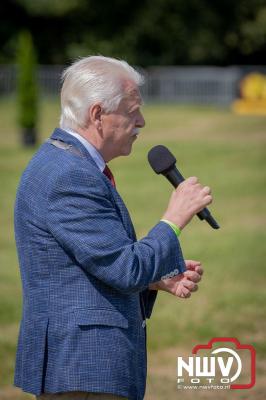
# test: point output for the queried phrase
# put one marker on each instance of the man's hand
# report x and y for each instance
(187, 199)
(184, 284)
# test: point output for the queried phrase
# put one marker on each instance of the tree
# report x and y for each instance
(27, 89)
(144, 32)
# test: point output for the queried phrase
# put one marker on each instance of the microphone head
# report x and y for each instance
(161, 159)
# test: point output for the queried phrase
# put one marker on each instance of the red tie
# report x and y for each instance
(107, 172)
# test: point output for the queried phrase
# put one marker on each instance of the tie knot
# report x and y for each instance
(107, 172)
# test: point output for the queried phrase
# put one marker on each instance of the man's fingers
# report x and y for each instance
(199, 270)
(190, 285)
(193, 276)
(191, 264)
(206, 190)
(184, 292)
(195, 288)
(207, 199)
(192, 180)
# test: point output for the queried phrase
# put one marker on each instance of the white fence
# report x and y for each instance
(204, 85)
(192, 84)
(48, 78)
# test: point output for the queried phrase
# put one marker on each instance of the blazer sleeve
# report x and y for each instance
(83, 219)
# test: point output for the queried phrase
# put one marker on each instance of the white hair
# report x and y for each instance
(90, 80)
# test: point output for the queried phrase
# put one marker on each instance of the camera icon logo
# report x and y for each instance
(223, 363)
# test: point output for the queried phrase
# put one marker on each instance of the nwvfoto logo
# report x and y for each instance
(222, 365)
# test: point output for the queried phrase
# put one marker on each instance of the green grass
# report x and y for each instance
(226, 152)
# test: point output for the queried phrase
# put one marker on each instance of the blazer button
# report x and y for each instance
(143, 324)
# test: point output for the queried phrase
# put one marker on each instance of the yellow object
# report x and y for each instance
(253, 95)
(256, 107)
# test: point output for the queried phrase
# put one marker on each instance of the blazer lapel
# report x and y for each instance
(124, 214)
(60, 134)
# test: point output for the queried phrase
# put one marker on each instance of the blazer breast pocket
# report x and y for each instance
(88, 317)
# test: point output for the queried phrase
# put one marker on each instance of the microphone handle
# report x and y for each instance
(175, 178)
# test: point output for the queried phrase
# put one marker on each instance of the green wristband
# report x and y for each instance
(173, 226)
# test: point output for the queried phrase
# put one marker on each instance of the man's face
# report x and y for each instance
(121, 127)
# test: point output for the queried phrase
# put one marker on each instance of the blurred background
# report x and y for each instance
(205, 97)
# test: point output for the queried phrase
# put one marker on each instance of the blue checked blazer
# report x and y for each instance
(85, 278)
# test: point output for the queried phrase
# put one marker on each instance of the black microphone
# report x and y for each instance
(163, 162)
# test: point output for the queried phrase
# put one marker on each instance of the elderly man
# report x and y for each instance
(88, 283)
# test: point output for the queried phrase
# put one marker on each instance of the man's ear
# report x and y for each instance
(95, 115)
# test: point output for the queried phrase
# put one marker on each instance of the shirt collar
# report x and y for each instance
(97, 157)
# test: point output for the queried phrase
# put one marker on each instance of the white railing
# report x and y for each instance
(203, 85)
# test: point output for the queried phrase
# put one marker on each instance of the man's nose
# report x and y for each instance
(140, 121)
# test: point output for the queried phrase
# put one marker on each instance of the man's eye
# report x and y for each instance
(134, 111)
